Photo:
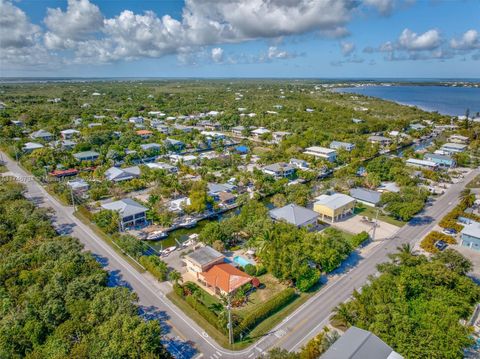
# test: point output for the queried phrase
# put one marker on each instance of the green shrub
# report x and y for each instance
(428, 243)
(155, 266)
(250, 269)
(359, 238)
(265, 310)
(308, 279)
(178, 289)
(261, 270)
(206, 313)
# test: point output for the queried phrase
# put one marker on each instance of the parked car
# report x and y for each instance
(450, 232)
(441, 245)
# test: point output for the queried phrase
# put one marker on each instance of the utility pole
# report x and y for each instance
(73, 199)
(374, 227)
(230, 326)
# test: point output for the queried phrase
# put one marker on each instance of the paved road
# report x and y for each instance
(294, 331)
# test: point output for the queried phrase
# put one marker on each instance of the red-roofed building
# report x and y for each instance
(64, 173)
(144, 133)
(224, 278)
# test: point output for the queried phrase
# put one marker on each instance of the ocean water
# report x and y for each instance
(446, 100)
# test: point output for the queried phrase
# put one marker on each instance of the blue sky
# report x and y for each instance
(233, 38)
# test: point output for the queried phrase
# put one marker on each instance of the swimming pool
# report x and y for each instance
(241, 261)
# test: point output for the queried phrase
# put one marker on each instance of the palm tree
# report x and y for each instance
(467, 198)
(342, 317)
(175, 276)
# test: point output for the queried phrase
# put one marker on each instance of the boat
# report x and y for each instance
(188, 222)
(156, 235)
(167, 251)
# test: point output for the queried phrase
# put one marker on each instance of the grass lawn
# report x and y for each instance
(371, 213)
(475, 183)
(272, 287)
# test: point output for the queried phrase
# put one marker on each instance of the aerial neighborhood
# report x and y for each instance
(248, 199)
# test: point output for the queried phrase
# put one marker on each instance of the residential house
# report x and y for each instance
(186, 160)
(163, 129)
(358, 343)
(94, 124)
(202, 260)
(174, 145)
(162, 166)
(278, 136)
(259, 132)
(417, 126)
(381, 140)
(459, 139)
(136, 120)
(321, 152)
(224, 279)
(78, 185)
(441, 160)
(41, 135)
(279, 170)
(452, 148)
(60, 173)
(86, 156)
(69, 134)
(183, 128)
(296, 215)
(213, 126)
(336, 145)
(365, 196)
(177, 205)
(470, 236)
(17, 123)
(309, 110)
(300, 164)
(226, 198)
(31, 146)
(334, 206)
(357, 120)
(151, 147)
(144, 133)
(388, 187)
(116, 174)
(214, 189)
(238, 130)
(132, 214)
(429, 165)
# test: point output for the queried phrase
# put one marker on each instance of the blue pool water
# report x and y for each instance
(241, 261)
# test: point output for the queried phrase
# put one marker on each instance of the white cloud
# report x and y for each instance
(384, 7)
(217, 54)
(470, 40)
(275, 53)
(16, 30)
(429, 40)
(347, 48)
(79, 22)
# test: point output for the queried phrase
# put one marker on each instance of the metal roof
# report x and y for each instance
(204, 255)
(293, 214)
(472, 229)
(334, 201)
(357, 343)
(126, 207)
(365, 195)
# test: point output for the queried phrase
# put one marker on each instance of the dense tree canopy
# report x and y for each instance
(416, 304)
(55, 302)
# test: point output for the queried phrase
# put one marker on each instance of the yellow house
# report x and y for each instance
(335, 206)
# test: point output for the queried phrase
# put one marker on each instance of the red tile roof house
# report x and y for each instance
(209, 268)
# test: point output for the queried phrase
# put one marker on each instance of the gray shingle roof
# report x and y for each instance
(357, 343)
(294, 214)
(204, 255)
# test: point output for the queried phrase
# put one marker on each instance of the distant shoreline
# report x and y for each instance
(334, 82)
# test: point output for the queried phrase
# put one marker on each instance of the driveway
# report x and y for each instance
(355, 225)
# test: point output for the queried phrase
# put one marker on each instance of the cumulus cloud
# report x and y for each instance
(217, 54)
(79, 22)
(16, 30)
(275, 53)
(469, 40)
(385, 7)
(429, 40)
(347, 48)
